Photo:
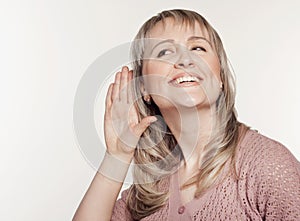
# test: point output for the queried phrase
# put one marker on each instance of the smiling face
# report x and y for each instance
(180, 66)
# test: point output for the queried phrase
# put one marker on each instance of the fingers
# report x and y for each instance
(139, 128)
(108, 99)
(131, 136)
(120, 88)
(123, 84)
(124, 117)
(116, 86)
(130, 88)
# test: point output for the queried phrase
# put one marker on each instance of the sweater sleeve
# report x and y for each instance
(278, 183)
(120, 211)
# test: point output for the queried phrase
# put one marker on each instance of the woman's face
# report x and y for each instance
(180, 67)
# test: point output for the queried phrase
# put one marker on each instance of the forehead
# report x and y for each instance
(180, 31)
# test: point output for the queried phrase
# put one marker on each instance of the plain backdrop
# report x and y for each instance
(46, 46)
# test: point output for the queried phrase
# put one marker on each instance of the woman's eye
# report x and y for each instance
(164, 52)
(198, 48)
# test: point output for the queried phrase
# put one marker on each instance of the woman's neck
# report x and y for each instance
(191, 128)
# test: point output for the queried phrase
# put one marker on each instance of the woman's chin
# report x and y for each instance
(190, 102)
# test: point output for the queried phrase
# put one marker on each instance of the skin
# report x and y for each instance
(187, 112)
(98, 202)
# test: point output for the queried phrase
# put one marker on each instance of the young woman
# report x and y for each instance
(204, 164)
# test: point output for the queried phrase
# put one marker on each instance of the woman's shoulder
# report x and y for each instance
(261, 152)
(256, 143)
(120, 210)
(269, 177)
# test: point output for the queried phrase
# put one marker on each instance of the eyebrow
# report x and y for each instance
(192, 38)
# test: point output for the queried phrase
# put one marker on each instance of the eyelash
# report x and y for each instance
(161, 53)
(203, 49)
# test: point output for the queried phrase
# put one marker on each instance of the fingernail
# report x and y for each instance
(153, 119)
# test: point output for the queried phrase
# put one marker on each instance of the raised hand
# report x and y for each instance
(122, 128)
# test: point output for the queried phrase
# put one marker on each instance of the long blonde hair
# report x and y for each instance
(147, 197)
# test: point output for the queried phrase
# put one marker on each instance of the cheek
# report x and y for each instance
(153, 75)
(156, 67)
(148, 67)
(215, 67)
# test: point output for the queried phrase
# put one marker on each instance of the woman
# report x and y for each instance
(205, 164)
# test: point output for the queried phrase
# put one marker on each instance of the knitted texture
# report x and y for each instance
(268, 188)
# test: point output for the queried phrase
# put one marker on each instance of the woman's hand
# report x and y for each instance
(122, 128)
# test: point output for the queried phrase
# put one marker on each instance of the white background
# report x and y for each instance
(46, 46)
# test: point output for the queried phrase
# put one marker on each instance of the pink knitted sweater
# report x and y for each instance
(269, 189)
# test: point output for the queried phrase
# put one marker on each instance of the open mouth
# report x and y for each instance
(186, 81)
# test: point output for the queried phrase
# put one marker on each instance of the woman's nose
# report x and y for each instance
(184, 61)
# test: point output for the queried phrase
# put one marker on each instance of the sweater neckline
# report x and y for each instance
(192, 206)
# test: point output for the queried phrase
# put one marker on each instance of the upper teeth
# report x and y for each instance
(186, 78)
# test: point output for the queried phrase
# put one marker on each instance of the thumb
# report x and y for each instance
(129, 138)
(143, 125)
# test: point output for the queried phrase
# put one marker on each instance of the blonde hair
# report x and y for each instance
(146, 197)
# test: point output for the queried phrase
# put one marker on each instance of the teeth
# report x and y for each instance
(186, 79)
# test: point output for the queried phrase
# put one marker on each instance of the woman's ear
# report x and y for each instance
(145, 94)
(142, 86)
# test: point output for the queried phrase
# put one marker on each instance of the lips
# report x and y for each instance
(185, 79)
